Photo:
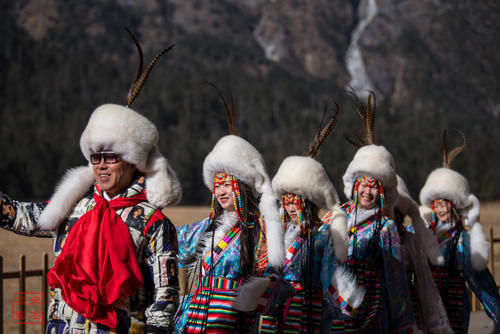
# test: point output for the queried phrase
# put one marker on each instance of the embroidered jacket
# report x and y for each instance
(155, 243)
(308, 311)
(374, 256)
(208, 306)
(450, 280)
(428, 307)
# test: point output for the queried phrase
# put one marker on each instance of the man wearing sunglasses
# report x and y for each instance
(116, 267)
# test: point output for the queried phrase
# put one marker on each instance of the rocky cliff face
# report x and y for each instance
(432, 63)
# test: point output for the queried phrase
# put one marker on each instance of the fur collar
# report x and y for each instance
(361, 216)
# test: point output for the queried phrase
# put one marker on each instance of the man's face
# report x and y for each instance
(368, 192)
(224, 194)
(442, 208)
(113, 177)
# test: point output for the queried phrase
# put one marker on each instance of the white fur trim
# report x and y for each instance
(162, 186)
(135, 138)
(274, 229)
(427, 240)
(471, 214)
(377, 162)
(479, 248)
(426, 214)
(345, 283)
(407, 206)
(122, 130)
(445, 183)
(306, 177)
(73, 186)
(249, 293)
(338, 229)
(404, 199)
(235, 156)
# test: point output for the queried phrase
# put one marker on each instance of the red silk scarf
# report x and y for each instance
(98, 265)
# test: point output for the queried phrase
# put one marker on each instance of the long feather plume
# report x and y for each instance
(457, 149)
(140, 76)
(448, 157)
(367, 114)
(444, 151)
(323, 132)
(230, 113)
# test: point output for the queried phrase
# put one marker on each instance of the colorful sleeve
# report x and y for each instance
(21, 217)
(339, 285)
(162, 274)
(395, 282)
(481, 283)
(189, 236)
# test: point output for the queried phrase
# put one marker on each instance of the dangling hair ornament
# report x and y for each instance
(140, 76)
(298, 200)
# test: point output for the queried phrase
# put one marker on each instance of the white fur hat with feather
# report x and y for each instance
(236, 156)
(375, 161)
(126, 132)
(445, 183)
(305, 176)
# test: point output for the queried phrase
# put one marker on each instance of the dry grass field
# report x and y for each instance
(12, 245)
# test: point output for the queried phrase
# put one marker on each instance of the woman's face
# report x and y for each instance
(223, 193)
(291, 210)
(442, 208)
(368, 192)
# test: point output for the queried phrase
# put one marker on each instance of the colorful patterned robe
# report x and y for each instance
(450, 280)
(208, 309)
(301, 314)
(155, 243)
(377, 264)
(428, 307)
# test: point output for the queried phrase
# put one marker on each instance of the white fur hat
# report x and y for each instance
(234, 155)
(306, 177)
(134, 137)
(407, 206)
(375, 161)
(445, 183)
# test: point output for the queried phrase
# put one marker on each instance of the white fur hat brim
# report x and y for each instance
(306, 177)
(126, 132)
(377, 162)
(445, 183)
(407, 206)
(236, 156)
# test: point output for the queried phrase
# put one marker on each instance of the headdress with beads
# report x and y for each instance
(307, 179)
(407, 206)
(122, 130)
(445, 183)
(370, 159)
(235, 156)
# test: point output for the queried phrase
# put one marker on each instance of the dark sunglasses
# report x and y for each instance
(109, 158)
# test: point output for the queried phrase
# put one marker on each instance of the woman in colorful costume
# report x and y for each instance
(322, 288)
(116, 266)
(374, 253)
(227, 248)
(418, 247)
(449, 207)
